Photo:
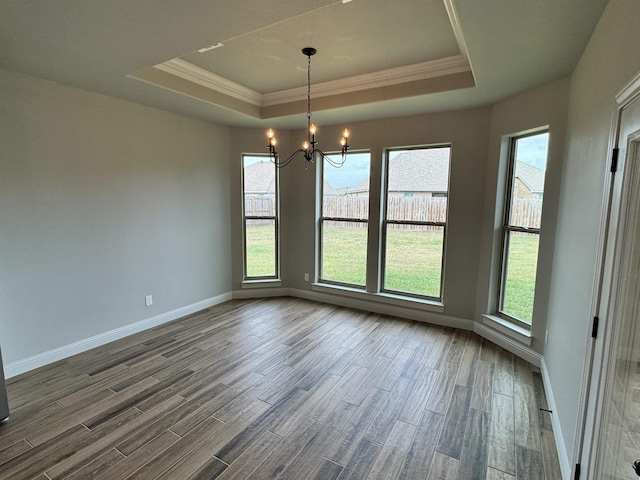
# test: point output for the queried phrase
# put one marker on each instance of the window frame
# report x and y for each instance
(275, 218)
(506, 228)
(385, 222)
(322, 219)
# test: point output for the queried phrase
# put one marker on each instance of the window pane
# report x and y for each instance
(414, 259)
(345, 195)
(260, 255)
(530, 164)
(520, 266)
(418, 185)
(261, 236)
(259, 177)
(259, 187)
(345, 190)
(260, 205)
(344, 252)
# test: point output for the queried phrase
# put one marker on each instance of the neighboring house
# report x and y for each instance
(329, 191)
(259, 179)
(529, 181)
(259, 189)
(409, 178)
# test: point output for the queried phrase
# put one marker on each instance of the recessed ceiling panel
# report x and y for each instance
(359, 37)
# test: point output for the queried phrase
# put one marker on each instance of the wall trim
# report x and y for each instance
(370, 305)
(565, 464)
(193, 73)
(60, 353)
(382, 297)
(389, 77)
(421, 315)
(261, 292)
(417, 314)
(521, 350)
(357, 83)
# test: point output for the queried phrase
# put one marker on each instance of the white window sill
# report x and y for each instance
(262, 283)
(516, 332)
(386, 298)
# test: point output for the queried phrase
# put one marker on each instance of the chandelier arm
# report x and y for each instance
(287, 161)
(331, 161)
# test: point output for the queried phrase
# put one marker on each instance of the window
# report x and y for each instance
(521, 226)
(261, 217)
(344, 221)
(416, 191)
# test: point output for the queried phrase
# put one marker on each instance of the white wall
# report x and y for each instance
(608, 63)
(102, 202)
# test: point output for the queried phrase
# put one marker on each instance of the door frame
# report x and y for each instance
(600, 352)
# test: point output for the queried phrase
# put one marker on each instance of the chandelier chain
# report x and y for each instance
(309, 151)
(309, 87)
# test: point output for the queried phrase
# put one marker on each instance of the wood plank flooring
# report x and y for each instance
(282, 388)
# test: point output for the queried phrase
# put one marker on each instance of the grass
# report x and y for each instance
(413, 258)
(344, 254)
(261, 251)
(414, 261)
(521, 277)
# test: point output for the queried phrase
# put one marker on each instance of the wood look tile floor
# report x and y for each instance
(282, 388)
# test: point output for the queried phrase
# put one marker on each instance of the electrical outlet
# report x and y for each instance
(306, 277)
(148, 300)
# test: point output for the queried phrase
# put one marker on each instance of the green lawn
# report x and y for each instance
(413, 262)
(261, 248)
(521, 276)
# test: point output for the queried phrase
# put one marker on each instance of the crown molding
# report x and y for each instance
(195, 74)
(383, 78)
(454, 19)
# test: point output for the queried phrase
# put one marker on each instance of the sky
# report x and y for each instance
(531, 150)
(351, 173)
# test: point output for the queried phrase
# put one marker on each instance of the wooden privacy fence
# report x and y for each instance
(526, 212)
(259, 206)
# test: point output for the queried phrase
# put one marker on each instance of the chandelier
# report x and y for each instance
(309, 149)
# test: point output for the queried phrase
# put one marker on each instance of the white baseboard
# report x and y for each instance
(563, 457)
(517, 348)
(45, 358)
(262, 292)
(377, 306)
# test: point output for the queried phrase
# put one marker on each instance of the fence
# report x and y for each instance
(525, 213)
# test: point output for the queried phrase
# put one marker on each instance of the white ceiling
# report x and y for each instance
(375, 58)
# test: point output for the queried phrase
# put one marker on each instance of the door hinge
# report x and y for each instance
(594, 327)
(614, 160)
(577, 474)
